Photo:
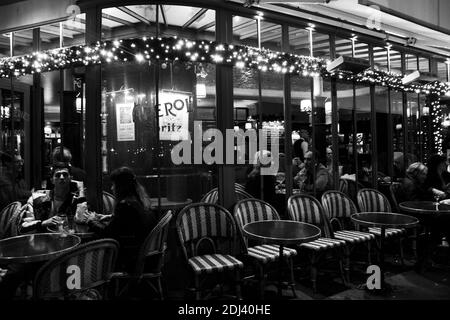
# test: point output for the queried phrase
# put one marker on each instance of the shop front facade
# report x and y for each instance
(144, 84)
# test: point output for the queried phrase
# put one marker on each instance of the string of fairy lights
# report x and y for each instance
(170, 49)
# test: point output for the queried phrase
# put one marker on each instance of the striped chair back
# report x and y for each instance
(338, 205)
(343, 186)
(251, 210)
(306, 208)
(155, 244)
(371, 200)
(396, 196)
(96, 261)
(206, 227)
(7, 217)
(239, 186)
(241, 194)
(109, 202)
(213, 195)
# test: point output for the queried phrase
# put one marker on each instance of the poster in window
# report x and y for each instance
(173, 114)
(125, 124)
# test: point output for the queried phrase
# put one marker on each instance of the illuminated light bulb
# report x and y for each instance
(139, 57)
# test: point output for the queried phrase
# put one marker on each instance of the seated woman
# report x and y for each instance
(132, 220)
(413, 185)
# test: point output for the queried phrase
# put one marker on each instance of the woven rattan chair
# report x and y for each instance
(8, 217)
(95, 262)
(371, 200)
(251, 210)
(305, 208)
(152, 252)
(207, 234)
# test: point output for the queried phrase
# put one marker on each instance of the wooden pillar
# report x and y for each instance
(224, 105)
(287, 117)
(92, 163)
(37, 121)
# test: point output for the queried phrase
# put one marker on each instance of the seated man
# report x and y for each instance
(307, 181)
(42, 208)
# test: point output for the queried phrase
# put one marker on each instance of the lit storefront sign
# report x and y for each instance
(173, 114)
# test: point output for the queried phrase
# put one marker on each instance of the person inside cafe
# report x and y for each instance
(435, 184)
(413, 185)
(132, 220)
(306, 179)
(13, 186)
(63, 154)
(44, 210)
(254, 179)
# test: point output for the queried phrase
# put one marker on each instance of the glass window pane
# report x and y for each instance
(398, 134)
(396, 61)
(343, 47)
(442, 71)
(424, 64)
(299, 41)
(321, 45)
(186, 103)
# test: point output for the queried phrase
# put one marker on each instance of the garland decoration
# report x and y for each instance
(168, 49)
(153, 49)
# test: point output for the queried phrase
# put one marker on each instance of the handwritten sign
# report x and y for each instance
(125, 124)
(173, 112)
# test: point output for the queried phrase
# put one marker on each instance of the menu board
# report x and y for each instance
(124, 120)
(173, 112)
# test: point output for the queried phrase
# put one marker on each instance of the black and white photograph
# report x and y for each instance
(224, 158)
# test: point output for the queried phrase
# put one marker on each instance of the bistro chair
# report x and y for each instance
(81, 273)
(396, 196)
(339, 208)
(371, 200)
(207, 234)
(239, 186)
(251, 210)
(151, 254)
(343, 186)
(394, 190)
(8, 215)
(213, 195)
(306, 208)
(108, 203)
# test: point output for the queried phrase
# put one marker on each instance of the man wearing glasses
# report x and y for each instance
(42, 209)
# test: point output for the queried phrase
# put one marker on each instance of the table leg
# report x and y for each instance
(280, 269)
(382, 236)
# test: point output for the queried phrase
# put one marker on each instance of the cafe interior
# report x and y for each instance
(327, 91)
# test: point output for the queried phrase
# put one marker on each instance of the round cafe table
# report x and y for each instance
(36, 247)
(384, 220)
(281, 232)
(426, 212)
(80, 230)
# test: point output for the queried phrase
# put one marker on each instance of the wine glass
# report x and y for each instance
(301, 182)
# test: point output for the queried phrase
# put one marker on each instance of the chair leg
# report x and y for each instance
(400, 242)
(346, 277)
(314, 272)
(262, 281)
(369, 252)
(414, 243)
(160, 290)
(197, 287)
(238, 284)
(292, 284)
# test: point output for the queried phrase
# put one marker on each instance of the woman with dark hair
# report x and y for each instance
(132, 219)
